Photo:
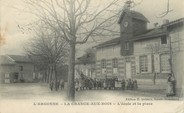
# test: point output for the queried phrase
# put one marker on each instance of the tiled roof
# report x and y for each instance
(156, 32)
(150, 34)
(4, 60)
(109, 42)
(133, 14)
(20, 58)
(86, 59)
(181, 20)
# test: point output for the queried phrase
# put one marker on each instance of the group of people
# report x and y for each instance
(108, 83)
(57, 84)
(129, 84)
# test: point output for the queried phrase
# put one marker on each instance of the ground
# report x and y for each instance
(41, 91)
(28, 98)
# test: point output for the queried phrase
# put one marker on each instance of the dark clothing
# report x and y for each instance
(123, 84)
(170, 86)
(51, 85)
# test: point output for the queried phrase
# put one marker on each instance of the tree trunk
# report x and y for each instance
(153, 69)
(45, 76)
(55, 78)
(48, 75)
(51, 74)
(71, 74)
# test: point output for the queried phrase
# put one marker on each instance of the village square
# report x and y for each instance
(113, 52)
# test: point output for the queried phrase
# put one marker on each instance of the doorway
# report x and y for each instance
(128, 70)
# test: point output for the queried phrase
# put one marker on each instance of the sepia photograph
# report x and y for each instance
(103, 56)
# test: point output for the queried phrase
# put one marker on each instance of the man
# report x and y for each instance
(51, 85)
(62, 84)
(123, 84)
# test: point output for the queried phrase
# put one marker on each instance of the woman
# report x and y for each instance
(170, 85)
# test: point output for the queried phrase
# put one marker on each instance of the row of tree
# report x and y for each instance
(65, 23)
(47, 51)
(62, 25)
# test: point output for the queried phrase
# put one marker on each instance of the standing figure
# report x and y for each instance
(112, 83)
(51, 85)
(56, 85)
(135, 86)
(62, 84)
(126, 85)
(129, 84)
(95, 83)
(170, 85)
(76, 84)
(105, 84)
(123, 84)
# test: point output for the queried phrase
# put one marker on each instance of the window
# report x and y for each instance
(127, 46)
(103, 63)
(164, 63)
(7, 75)
(144, 64)
(115, 63)
(163, 40)
(21, 68)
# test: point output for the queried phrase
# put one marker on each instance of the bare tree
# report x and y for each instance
(168, 10)
(47, 50)
(75, 21)
(155, 48)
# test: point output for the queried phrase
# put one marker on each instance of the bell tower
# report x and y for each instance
(131, 23)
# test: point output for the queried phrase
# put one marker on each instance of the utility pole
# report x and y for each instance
(170, 53)
(170, 62)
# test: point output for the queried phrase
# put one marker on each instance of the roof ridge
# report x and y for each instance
(10, 58)
(19, 58)
(174, 21)
(107, 42)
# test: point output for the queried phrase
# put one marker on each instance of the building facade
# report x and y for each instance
(16, 68)
(85, 65)
(141, 53)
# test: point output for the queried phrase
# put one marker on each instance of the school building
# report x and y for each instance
(141, 53)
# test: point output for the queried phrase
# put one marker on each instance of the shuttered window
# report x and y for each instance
(103, 63)
(164, 40)
(115, 63)
(137, 64)
(127, 46)
(164, 63)
(143, 64)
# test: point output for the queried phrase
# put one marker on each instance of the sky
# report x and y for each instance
(11, 17)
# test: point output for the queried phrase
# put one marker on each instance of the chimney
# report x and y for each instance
(156, 25)
(127, 5)
(165, 21)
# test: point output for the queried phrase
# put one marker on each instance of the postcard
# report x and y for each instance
(91, 56)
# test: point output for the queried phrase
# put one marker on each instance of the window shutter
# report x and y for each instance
(157, 63)
(115, 70)
(7, 75)
(137, 64)
(149, 63)
(103, 70)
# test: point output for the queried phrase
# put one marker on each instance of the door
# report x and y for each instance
(128, 70)
(7, 78)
